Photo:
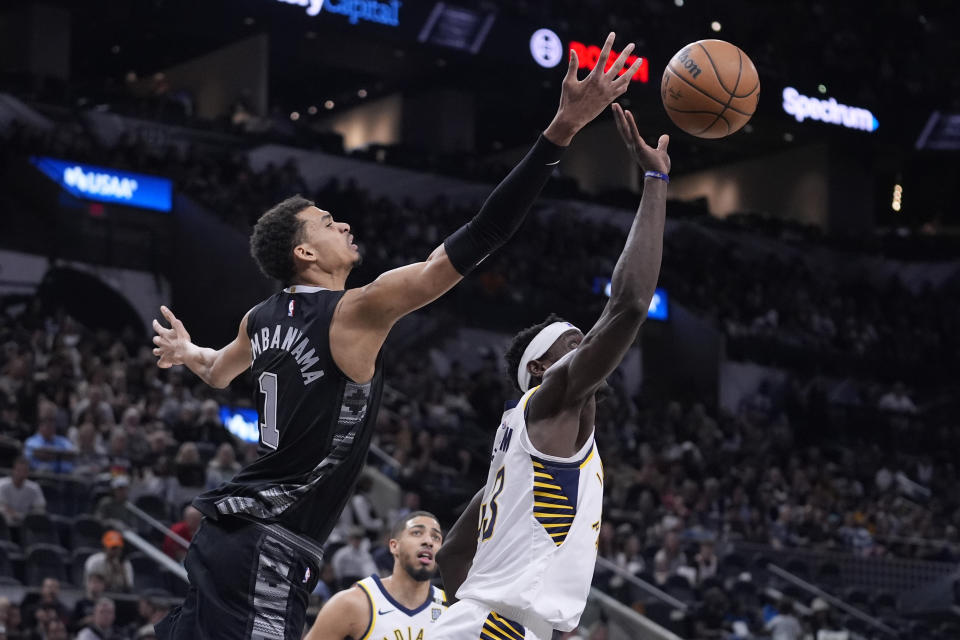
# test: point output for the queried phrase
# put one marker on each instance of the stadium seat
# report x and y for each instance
(9, 581)
(856, 597)
(147, 574)
(680, 588)
(78, 558)
(828, 575)
(45, 561)
(39, 529)
(6, 567)
(883, 604)
(799, 568)
(54, 495)
(86, 531)
(154, 506)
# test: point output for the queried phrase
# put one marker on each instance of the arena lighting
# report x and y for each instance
(108, 185)
(590, 55)
(295, 116)
(659, 304)
(829, 111)
(329, 104)
(243, 423)
(715, 26)
(897, 198)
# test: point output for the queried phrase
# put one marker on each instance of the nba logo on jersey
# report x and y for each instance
(290, 308)
(306, 574)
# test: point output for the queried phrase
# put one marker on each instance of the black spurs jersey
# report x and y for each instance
(315, 423)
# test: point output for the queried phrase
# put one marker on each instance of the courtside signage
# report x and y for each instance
(108, 185)
(830, 111)
(387, 13)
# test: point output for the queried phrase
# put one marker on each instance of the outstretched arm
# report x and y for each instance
(456, 555)
(217, 368)
(633, 284)
(398, 292)
(346, 615)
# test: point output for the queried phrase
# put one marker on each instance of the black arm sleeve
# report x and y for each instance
(505, 208)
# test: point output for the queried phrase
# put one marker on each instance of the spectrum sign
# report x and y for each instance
(547, 51)
(108, 185)
(387, 13)
(830, 111)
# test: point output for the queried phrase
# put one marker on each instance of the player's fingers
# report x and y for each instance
(620, 122)
(572, 68)
(663, 142)
(604, 54)
(168, 314)
(623, 81)
(157, 326)
(158, 352)
(157, 340)
(621, 60)
(634, 132)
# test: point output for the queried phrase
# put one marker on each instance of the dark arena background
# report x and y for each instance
(781, 443)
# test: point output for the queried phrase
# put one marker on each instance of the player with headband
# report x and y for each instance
(525, 571)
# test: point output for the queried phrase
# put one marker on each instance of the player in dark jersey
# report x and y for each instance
(314, 349)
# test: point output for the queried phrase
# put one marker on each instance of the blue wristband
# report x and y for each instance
(657, 174)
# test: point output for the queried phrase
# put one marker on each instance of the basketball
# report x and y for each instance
(710, 89)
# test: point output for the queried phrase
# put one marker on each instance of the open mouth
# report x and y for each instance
(425, 557)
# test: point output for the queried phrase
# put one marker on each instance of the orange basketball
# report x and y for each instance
(710, 88)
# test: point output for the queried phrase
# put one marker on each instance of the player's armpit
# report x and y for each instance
(456, 555)
(398, 292)
(346, 615)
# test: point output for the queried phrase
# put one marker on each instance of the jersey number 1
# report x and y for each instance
(269, 434)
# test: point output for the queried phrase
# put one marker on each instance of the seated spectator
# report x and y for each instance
(150, 610)
(117, 573)
(113, 507)
(897, 400)
(138, 448)
(353, 561)
(223, 466)
(669, 558)
(83, 610)
(706, 561)
(91, 454)
(45, 450)
(55, 630)
(49, 599)
(20, 496)
(784, 625)
(104, 614)
(189, 475)
(43, 615)
(119, 461)
(362, 509)
(186, 529)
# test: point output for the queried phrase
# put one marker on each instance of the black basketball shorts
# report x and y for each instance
(248, 580)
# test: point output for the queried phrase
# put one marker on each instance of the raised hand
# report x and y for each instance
(583, 100)
(172, 344)
(647, 157)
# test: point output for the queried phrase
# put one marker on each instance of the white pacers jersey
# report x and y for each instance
(539, 524)
(390, 620)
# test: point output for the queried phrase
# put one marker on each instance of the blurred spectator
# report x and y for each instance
(49, 601)
(186, 529)
(117, 573)
(364, 514)
(353, 561)
(20, 496)
(223, 466)
(784, 625)
(55, 630)
(45, 450)
(897, 400)
(151, 609)
(114, 506)
(101, 628)
(669, 558)
(83, 609)
(706, 561)
(190, 476)
(91, 455)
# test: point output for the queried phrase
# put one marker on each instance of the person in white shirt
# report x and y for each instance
(19, 496)
(117, 573)
(353, 561)
(104, 615)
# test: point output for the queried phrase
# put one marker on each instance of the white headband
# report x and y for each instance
(540, 344)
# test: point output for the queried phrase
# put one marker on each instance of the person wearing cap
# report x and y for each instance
(117, 573)
(114, 506)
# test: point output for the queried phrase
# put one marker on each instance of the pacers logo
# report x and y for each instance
(546, 47)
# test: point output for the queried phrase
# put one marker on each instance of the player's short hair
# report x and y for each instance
(275, 235)
(519, 344)
(401, 523)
